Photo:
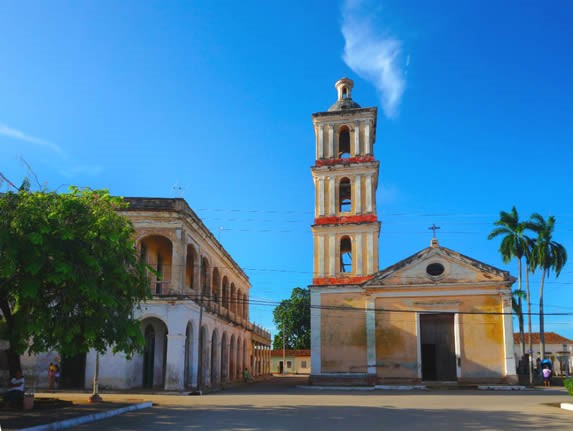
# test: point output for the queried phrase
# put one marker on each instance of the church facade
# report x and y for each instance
(435, 316)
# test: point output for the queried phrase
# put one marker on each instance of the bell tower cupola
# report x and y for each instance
(345, 174)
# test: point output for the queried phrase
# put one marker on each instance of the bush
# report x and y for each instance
(569, 385)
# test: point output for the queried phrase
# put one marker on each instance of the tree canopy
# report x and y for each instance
(292, 317)
(70, 277)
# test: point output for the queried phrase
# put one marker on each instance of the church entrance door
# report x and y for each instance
(437, 341)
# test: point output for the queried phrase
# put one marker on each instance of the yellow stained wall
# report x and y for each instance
(480, 336)
(343, 334)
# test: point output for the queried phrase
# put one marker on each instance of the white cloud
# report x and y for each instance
(21, 136)
(373, 54)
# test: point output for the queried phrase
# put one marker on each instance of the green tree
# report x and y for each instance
(547, 255)
(513, 244)
(70, 277)
(292, 318)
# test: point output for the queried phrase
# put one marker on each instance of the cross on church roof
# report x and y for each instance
(434, 228)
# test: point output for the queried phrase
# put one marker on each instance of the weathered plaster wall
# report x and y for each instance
(481, 338)
(396, 341)
(343, 334)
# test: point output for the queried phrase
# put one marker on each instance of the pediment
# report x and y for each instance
(438, 265)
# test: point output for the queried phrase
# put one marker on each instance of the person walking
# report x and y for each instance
(546, 376)
(51, 376)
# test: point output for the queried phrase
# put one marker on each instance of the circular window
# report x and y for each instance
(435, 269)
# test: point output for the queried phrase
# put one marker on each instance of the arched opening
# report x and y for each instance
(345, 254)
(189, 355)
(344, 143)
(156, 250)
(345, 195)
(204, 277)
(190, 267)
(154, 352)
(239, 304)
(245, 307)
(215, 285)
(225, 289)
(233, 298)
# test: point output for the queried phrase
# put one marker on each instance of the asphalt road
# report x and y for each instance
(281, 405)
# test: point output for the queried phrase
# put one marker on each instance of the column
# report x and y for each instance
(321, 197)
(332, 255)
(321, 253)
(370, 253)
(178, 255)
(357, 138)
(332, 196)
(174, 366)
(358, 194)
(367, 143)
(320, 153)
(331, 140)
(195, 355)
(371, 334)
(510, 369)
(368, 193)
(357, 252)
(315, 359)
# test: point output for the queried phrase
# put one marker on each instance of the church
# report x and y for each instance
(436, 316)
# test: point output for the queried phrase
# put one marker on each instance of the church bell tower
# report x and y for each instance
(345, 174)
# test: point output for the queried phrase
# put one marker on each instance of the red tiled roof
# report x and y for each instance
(299, 352)
(550, 338)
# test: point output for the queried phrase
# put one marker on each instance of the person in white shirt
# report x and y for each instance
(15, 394)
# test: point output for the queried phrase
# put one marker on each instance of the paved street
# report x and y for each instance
(280, 405)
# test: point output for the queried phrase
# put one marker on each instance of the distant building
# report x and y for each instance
(435, 316)
(196, 326)
(293, 362)
(557, 348)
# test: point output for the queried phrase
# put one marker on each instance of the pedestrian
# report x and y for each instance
(51, 375)
(57, 376)
(15, 395)
(246, 374)
(546, 377)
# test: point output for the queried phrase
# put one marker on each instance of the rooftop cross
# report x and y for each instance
(434, 228)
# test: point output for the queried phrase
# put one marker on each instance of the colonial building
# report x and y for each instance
(196, 326)
(435, 316)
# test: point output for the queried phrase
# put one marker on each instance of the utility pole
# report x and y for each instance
(284, 351)
(200, 343)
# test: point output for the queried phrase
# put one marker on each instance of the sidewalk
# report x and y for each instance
(50, 416)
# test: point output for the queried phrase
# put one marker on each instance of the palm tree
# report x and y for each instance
(513, 245)
(547, 255)
(529, 267)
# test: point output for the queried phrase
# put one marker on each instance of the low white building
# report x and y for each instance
(196, 326)
(290, 361)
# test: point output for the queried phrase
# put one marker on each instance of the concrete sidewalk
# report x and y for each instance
(59, 417)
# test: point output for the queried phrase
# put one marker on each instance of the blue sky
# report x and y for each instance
(212, 101)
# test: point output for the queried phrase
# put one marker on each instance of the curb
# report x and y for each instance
(503, 388)
(402, 387)
(337, 388)
(89, 418)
